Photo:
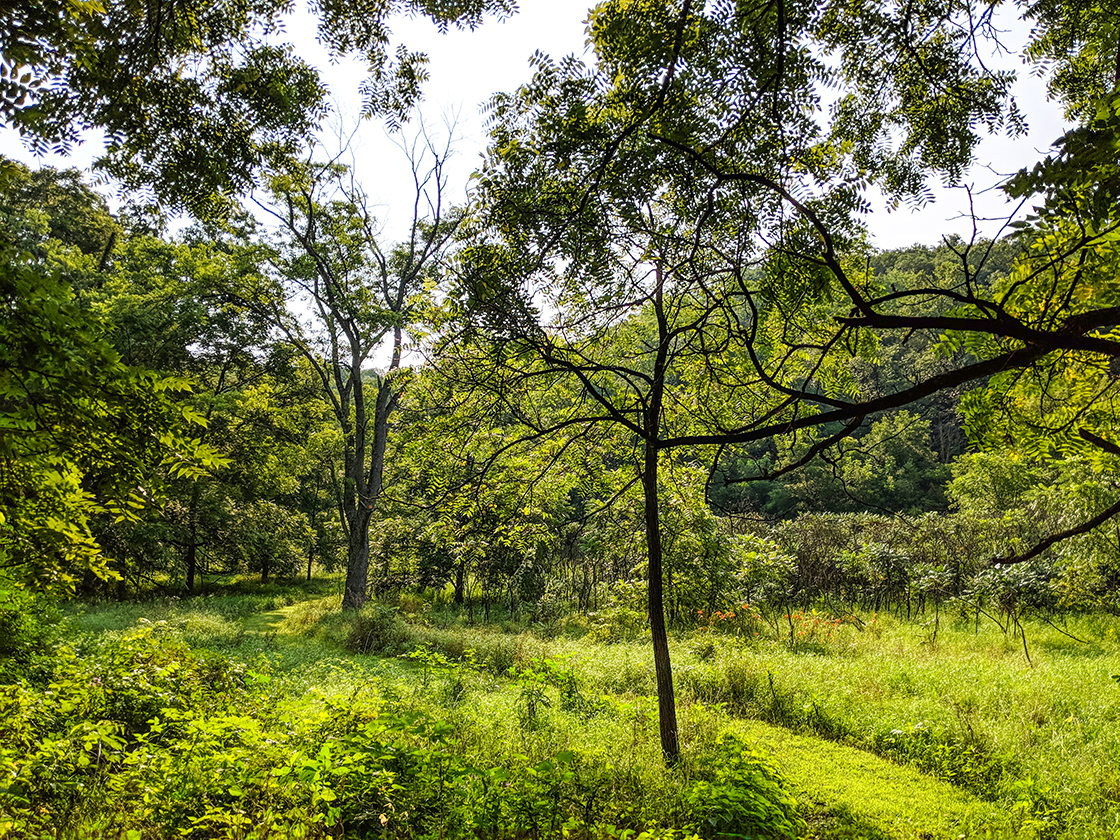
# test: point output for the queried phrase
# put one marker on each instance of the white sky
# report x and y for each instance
(466, 67)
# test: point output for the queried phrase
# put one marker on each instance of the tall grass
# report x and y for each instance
(963, 703)
(959, 701)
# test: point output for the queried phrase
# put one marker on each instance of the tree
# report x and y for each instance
(164, 304)
(361, 300)
(465, 510)
(85, 434)
(889, 468)
(684, 201)
(197, 98)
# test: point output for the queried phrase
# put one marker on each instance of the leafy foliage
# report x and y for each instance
(84, 433)
(197, 98)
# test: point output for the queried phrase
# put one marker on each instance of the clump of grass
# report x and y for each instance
(307, 617)
(384, 630)
(379, 629)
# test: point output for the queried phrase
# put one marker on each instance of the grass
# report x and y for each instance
(888, 731)
(1036, 739)
(968, 708)
(172, 739)
(862, 795)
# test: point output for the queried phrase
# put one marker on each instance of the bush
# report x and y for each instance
(964, 761)
(498, 652)
(742, 794)
(379, 629)
(28, 628)
(617, 624)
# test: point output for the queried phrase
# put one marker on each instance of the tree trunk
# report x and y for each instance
(367, 485)
(666, 701)
(357, 562)
(192, 563)
(191, 559)
(459, 583)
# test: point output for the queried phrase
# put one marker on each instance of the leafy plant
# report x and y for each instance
(740, 793)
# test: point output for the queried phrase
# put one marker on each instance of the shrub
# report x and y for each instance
(617, 624)
(964, 761)
(742, 794)
(28, 628)
(379, 629)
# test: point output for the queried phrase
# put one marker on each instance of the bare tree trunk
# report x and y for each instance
(368, 484)
(666, 701)
(192, 563)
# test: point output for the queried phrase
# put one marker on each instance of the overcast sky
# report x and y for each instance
(466, 67)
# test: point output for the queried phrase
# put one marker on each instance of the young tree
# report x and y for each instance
(686, 199)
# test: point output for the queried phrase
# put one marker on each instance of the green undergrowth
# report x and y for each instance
(863, 796)
(274, 714)
(960, 702)
(137, 733)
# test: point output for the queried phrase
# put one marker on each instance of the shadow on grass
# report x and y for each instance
(839, 823)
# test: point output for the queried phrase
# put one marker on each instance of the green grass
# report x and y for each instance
(1037, 740)
(884, 732)
(136, 731)
(851, 790)
(968, 708)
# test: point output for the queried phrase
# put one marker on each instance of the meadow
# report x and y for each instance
(267, 712)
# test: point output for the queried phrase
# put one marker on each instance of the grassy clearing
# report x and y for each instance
(129, 730)
(1038, 739)
(1043, 741)
(882, 732)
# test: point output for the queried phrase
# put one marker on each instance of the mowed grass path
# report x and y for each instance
(850, 793)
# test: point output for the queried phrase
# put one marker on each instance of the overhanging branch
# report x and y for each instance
(1083, 528)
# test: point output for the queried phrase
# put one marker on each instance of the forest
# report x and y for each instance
(634, 494)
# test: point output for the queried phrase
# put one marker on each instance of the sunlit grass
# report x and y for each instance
(1037, 739)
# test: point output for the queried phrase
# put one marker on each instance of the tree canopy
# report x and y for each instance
(196, 98)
